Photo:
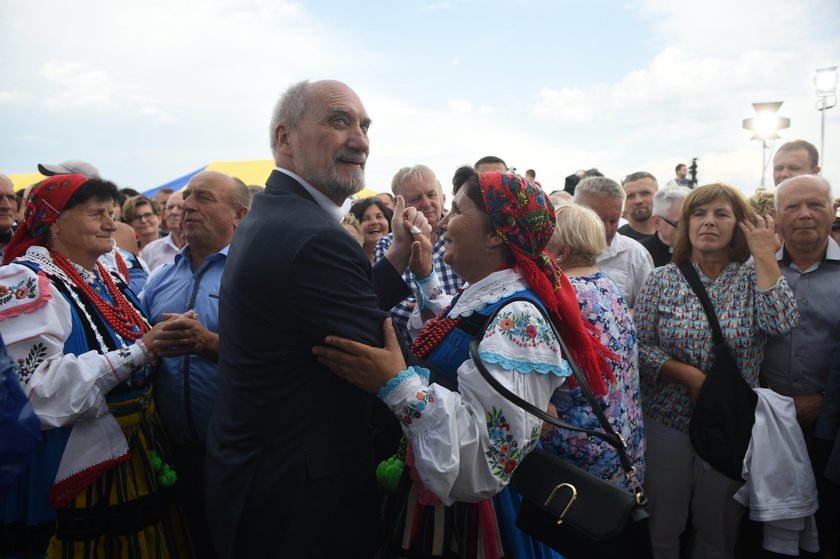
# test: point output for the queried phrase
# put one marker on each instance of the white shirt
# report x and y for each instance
(328, 205)
(159, 252)
(628, 264)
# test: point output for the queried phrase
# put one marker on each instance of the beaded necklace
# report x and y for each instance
(121, 315)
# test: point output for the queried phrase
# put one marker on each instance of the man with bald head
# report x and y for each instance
(290, 469)
(797, 364)
(8, 211)
(186, 294)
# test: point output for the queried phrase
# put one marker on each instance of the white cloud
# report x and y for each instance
(75, 86)
(15, 97)
(460, 105)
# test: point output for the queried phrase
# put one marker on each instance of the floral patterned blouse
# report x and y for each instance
(602, 304)
(672, 325)
(466, 444)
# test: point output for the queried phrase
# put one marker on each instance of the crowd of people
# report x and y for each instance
(233, 372)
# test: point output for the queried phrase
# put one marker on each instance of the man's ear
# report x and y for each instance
(240, 213)
(282, 136)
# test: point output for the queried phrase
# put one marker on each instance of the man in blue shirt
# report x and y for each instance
(186, 294)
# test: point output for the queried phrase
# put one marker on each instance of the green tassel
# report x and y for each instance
(167, 476)
(389, 472)
(157, 461)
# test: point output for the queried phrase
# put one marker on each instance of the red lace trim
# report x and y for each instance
(64, 491)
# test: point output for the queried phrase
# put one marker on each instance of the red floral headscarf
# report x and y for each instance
(521, 214)
(46, 202)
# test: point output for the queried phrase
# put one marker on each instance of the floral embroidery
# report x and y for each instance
(504, 453)
(524, 331)
(25, 289)
(25, 367)
(413, 410)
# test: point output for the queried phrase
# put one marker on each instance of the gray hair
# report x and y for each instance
(665, 199)
(415, 172)
(241, 197)
(599, 187)
(288, 110)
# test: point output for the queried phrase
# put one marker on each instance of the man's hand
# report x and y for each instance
(183, 334)
(408, 225)
(807, 408)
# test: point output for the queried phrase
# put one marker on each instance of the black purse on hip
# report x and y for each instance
(724, 413)
(565, 507)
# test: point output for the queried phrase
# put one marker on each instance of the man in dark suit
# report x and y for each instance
(289, 450)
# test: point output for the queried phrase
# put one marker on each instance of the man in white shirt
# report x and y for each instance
(625, 261)
(163, 251)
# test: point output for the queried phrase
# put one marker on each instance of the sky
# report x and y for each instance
(149, 91)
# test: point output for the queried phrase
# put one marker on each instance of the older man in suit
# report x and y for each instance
(289, 451)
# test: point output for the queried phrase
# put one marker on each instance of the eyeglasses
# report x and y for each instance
(669, 222)
(141, 217)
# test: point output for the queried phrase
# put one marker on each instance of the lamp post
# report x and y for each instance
(765, 124)
(825, 82)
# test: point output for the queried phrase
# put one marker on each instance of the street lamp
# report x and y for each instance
(825, 83)
(765, 124)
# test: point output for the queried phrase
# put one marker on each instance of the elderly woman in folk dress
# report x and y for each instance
(464, 440)
(84, 352)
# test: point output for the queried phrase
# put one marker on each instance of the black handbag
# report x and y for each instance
(724, 413)
(565, 507)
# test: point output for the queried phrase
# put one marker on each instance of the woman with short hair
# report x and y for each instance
(578, 240)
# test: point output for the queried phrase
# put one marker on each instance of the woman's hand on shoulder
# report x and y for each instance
(368, 367)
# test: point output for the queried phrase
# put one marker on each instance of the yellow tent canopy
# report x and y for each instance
(21, 180)
(249, 172)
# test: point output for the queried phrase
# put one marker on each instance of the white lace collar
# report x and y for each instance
(487, 291)
(41, 255)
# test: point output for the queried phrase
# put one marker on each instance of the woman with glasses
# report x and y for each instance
(143, 215)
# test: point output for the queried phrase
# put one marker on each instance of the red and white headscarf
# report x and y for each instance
(521, 214)
(46, 201)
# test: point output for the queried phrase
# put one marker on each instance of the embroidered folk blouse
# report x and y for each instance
(467, 444)
(671, 323)
(65, 389)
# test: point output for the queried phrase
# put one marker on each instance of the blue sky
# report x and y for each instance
(149, 91)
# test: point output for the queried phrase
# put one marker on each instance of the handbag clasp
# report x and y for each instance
(568, 505)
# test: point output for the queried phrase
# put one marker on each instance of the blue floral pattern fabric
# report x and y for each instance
(602, 304)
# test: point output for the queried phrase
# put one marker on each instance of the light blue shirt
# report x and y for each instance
(187, 386)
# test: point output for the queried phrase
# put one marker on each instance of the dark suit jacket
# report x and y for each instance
(289, 459)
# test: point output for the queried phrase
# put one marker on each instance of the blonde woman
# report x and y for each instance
(577, 241)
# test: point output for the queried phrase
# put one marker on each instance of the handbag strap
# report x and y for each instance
(693, 278)
(608, 435)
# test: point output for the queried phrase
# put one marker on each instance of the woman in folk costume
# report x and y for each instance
(464, 440)
(84, 354)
